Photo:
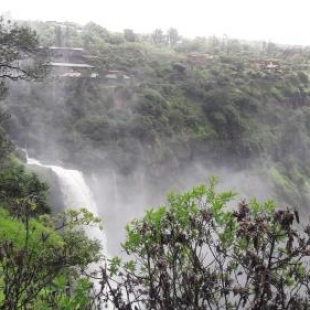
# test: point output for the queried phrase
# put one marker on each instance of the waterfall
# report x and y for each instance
(76, 194)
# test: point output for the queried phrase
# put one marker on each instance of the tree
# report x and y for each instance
(6, 146)
(40, 262)
(116, 38)
(173, 36)
(58, 36)
(17, 184)
(199, 254)
(17, 46)
(130, 36)
(94, 37)
(158, 36)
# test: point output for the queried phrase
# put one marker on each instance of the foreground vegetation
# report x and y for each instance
(198, 253)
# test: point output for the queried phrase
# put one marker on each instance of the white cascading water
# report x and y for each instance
(76, 194)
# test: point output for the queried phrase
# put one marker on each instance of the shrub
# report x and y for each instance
(198, 253)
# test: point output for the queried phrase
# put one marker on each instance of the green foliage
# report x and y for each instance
(165, 108)
(16, 43)
(78, 299)
(6, 146)
(198, 253)
(173, 36)
(130, 36)
(42, 257)
(18, 185)
(40, 262)
(194, 253)
(13, 230)
(158, 36)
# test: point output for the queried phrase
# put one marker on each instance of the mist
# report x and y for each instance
(121, 199)
(121, 195)
(146, 119)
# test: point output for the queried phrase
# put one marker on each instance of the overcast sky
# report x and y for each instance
(281, 21)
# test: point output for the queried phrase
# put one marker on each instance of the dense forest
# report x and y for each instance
(161, 103)
(151, 112)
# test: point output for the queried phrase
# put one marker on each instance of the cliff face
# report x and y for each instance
(54, 193)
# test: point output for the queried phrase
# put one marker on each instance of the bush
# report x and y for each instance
(199, 254)
(35, 254)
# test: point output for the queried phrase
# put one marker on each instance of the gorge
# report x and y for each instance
(155, 117)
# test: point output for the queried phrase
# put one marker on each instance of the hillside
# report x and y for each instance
(162, 104)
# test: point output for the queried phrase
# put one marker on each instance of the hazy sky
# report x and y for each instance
(283, 21)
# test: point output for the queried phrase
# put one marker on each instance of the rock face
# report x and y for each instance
(55, 196)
